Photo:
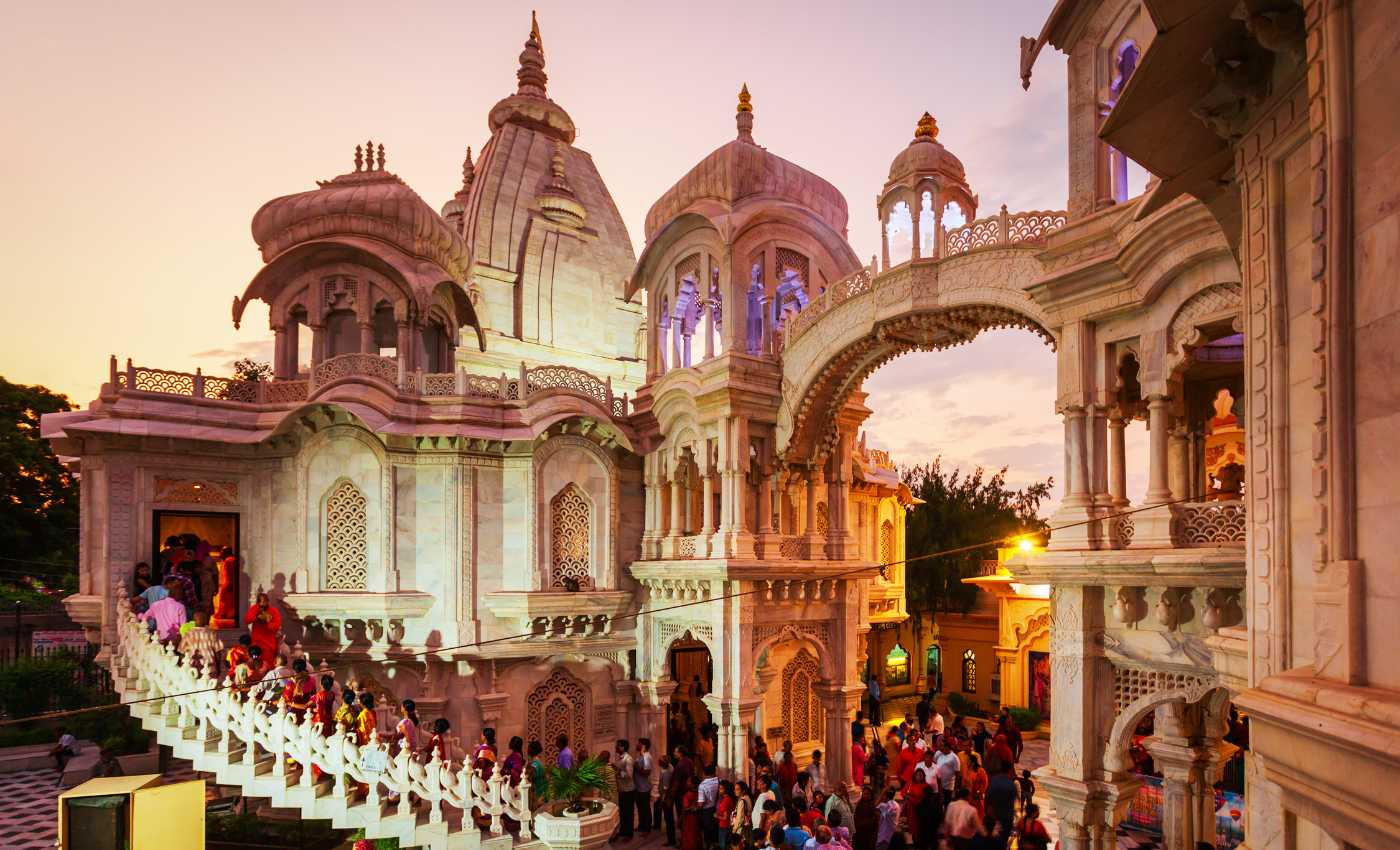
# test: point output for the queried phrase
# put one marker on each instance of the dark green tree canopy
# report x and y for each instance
(961, 510)
(38, 495)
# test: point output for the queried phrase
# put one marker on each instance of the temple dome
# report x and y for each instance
(926, 157)
(368, 201)
(530, 106)
(742, 169)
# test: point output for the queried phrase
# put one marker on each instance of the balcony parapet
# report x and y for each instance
(554, 614)
(456, 386)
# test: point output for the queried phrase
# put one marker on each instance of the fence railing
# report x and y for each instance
(188, 699)
(1003, 229)
(446, 385)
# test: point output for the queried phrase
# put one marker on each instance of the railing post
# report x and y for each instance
(198, 382)
(1003, 226)
(461, 382)
(524, 381)
(113, 367)
(403, 371)
(503, 389)
(260, 392)
(607, 386)
(130, 375)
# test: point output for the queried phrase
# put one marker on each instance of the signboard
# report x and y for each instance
(44, 641)
(374, 761)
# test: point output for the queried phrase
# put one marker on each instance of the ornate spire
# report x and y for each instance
(743, 115)
(557, 199)
(927, 128)
(468, 171)
(531, 73)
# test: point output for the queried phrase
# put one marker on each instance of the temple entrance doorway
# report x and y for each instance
(204, 546)
(688, 720)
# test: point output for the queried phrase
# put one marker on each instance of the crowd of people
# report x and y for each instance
(923, 784)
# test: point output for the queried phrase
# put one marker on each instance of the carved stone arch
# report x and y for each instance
(560, 704)
(1212, 304)
(1032, 627)
(1138, 690)
(813, 636)
(346, 426)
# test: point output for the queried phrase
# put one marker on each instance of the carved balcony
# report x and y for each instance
(582, 614)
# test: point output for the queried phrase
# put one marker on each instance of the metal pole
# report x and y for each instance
(18, 606)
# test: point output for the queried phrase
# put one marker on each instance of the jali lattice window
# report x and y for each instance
(886, 542)
(559, 705)
(969, 672)
(802, 711)
(822, 518)
(570, 538)
(347, 539)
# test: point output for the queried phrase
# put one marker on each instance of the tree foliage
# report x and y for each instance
(961, 510)
(249, 369)
(38, 495)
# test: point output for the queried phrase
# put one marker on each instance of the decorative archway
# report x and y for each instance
(1138, 690)
(803, 718)
(559, 705)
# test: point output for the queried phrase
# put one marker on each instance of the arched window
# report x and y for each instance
(347, 539)
(927, 231)
(897, 666)
(802, 711)
(570, 539)
(886, 542)
(342, 333)
(933, 667)
(969, 672)
(559, 705)
(899, 233)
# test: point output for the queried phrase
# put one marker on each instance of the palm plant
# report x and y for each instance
(570, 784)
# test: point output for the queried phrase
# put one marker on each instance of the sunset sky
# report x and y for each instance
(143, 137)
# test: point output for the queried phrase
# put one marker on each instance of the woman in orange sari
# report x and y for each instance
(977, 785)
(265, 626)
(223, 599)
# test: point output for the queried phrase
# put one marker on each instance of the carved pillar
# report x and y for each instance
(765, 507)
(838, 536)
(709, 309)
(937, 225)
(1152, 529)
(1075, 527)
(1097, 443)
(1189, 757)
(404, 346)
(1082, 682)
(884, 242)
(318, 344)
(914, 210)
(677, 504)
(738, 538)
(279, 353)
(816, 544)
(1117, 456)
(367, 345)
(1178, 477)
(839, 705)
(707, 510)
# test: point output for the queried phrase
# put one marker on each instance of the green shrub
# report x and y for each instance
(960, 704)
(1025, 719)
(54, 683)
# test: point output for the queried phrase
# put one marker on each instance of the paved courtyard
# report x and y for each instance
(29, 816)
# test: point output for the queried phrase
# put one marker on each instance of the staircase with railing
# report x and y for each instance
(388, 793)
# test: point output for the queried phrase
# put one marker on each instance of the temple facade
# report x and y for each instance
(509, 470)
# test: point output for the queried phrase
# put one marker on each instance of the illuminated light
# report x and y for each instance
(1026, 544)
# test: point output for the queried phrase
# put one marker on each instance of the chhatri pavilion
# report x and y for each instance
(509, 469)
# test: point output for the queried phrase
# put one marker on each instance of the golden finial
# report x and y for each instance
(745, 99)
(535, 29)
(927, 128)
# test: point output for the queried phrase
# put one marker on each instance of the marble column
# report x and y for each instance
(318, 344)
(839, 705)
(1097, 444)
(1074, 522)
(1117, 460)
(1152, 528)
(816, 543)
(914, 210)
(1178, 462)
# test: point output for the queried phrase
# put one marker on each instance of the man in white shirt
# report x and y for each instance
(817, 770)
(271, 685)
(709, 798)
(948, 768)
(929, 768)
(936, 723)
(626, 791)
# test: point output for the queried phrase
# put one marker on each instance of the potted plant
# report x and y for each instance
(575, 820)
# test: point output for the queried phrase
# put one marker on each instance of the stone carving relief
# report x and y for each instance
(1214, 302)
(195, 491)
